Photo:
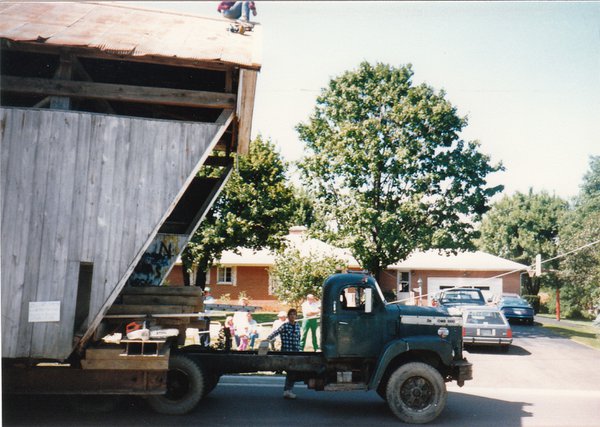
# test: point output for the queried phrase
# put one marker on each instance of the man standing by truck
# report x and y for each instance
(311, 310)
(290, 341)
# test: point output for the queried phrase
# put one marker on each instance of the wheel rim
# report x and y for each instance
(417, 393)
(178, 384)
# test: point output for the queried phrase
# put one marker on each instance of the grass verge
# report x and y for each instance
(582, 332)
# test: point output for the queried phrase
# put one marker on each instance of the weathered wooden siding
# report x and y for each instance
(80, 187)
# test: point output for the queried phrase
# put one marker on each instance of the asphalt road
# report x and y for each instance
(544, 380)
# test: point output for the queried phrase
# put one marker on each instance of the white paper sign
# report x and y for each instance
(44, 311)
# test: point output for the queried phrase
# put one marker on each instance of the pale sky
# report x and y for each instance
(527, 74)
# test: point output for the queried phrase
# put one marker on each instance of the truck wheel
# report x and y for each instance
(416, 393)
(185, 387)
(211, 381)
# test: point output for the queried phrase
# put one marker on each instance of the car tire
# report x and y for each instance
(416, 393)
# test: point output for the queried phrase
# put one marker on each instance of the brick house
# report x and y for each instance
(247, 272)
(435, 271)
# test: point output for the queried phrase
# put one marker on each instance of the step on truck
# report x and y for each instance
(405, 353)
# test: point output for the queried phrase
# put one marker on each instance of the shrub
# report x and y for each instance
(534, 301)
(575, 313)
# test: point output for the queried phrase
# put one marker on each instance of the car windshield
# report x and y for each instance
(484, 318)
(514, 302)
(462, 297)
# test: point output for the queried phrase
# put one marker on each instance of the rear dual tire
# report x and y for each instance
(186, 385)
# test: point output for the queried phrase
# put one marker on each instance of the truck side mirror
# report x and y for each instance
(368, 300)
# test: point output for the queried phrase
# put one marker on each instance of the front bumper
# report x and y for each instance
(462, 370)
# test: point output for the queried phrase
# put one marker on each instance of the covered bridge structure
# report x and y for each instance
(119, 126)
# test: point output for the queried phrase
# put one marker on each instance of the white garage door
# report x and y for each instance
(489, 287)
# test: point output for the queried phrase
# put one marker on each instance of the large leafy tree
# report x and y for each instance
(580, 271)
(520, 226)
(255, 209)
(388, 169)
(296, 275)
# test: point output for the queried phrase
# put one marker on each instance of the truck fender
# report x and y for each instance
(438, 346)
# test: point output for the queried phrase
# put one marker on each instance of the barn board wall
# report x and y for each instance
(81, 187)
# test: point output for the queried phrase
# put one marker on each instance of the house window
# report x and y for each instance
(403, 281)
(225, 276)
(271, 290)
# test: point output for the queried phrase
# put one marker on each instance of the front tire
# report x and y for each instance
(185, 387)
(416, 393)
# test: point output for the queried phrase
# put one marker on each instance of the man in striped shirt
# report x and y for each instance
(290, 341)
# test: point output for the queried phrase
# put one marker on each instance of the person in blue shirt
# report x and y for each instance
(290, 341)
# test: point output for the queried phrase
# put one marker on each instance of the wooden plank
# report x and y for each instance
(161, 300)
(41, 166)
(10, 152)
(64, 380)
(132, 194)
(61, 289)
(77, 225)
(115, 92)
(163, 290)
(63, 72)
(92, 182)
(78, 68)
(145, 309)
(59, 192)
(80, 190)
(108, 352)
(117, 211)
(146, 363)
(43, 284)
(19, 149)
(87, 52)
(102, 280)
(245, 108)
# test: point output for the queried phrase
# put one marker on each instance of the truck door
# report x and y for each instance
(358, 333)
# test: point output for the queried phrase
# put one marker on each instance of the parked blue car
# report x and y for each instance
(516, 309)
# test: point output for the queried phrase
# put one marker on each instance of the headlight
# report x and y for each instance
(443, 332)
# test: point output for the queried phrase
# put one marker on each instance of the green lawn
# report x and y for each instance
(579, 331)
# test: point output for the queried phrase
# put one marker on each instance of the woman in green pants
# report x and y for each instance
(311, 311)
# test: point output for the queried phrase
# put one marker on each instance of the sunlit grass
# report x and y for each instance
(582, 332)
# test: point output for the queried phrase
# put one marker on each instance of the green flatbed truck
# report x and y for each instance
(405, 353)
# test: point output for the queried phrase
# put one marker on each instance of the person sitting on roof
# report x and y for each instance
(237, 9)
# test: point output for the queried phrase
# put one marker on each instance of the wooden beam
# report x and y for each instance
(91, 52)
(64, 380)
(116, 92)
(80, 70)
(63, 72)
(245, 108)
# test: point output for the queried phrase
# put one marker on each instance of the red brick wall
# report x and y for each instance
(254, 281)
(175, 277)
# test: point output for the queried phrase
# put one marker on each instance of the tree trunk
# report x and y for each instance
(186, 275)
(200, 278)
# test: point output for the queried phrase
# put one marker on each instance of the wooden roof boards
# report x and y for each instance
(112, 28)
